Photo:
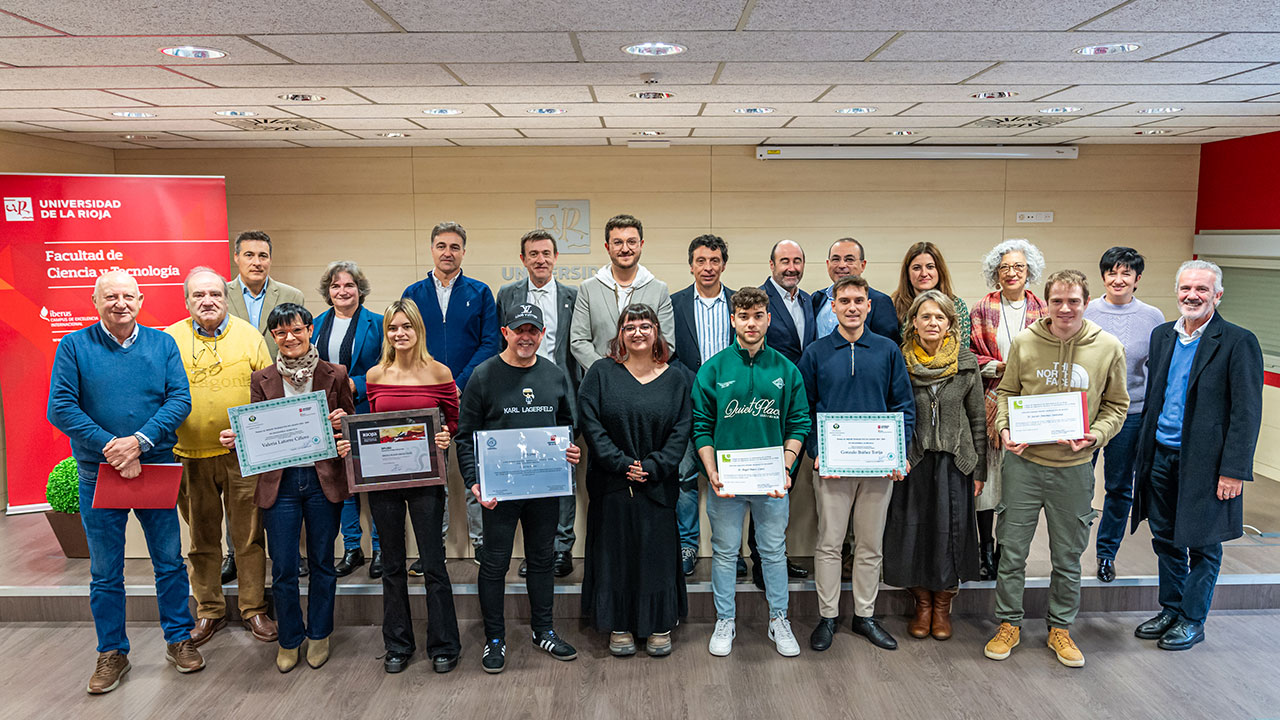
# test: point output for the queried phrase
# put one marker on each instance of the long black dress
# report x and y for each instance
(632, 577)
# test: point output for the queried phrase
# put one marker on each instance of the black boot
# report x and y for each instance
(987, 561)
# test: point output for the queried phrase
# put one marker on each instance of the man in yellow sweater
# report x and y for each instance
(219, 353)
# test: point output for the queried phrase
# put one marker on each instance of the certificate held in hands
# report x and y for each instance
(861, 444)
(758, 471)
(1044, 419)
(524, 463)
(275, 434)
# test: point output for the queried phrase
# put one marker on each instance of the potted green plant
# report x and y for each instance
(63, 493)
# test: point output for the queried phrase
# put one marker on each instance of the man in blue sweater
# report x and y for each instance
(119, 392)
(462, 330)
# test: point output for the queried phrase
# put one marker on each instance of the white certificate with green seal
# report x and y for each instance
(275, 434)
(753, 471)
(861, 444)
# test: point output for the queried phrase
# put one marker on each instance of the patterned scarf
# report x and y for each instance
(298, 371)
(933, 367)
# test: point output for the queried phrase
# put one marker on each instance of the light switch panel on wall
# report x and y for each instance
(1035, 217)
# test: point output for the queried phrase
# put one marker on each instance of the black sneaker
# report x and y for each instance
(477, 551)
(415, 570)
(495, 655)
(551, 642)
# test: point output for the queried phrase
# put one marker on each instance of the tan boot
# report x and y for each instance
(919, 625)
(317, 652)
(286, 660)
(942, 614)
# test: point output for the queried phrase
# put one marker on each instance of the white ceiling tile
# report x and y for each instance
(1235, 131)
(343, 75)
(215, 144)
(1091, 132)
(380, 142)
(60, 99)
(450, 134)
(827, 140)
(983, 107)
(19, 127)
(943, 131)
(1162, 93)
(91, 78)
(1235, 47)
(425, 47)
(878, 120)
(176, 113)
(369, 124)
(1050, 46)
(101, 136)
(984, 15)
(1103, 121)
(659, 107)
(1263, 76)
(532, 141)
(117, 145)
(581, 73)
(993, 140)
(871, 73)
(1249, 108)
(64, 50)
(1194, 15)
(814, 109)
(448, 16)
(857, 94)
(766, 121)
(40, 115)
(715, 93)
(777, 132)
(1144, 140)
(668, 133)
(453, 96)
(226, 17)
(11, 26)
(242, 96)
(125, 125)
(555, 121)
(1218, 121)
(370, 110)
(731, 46)
(705, 141)
(255, 136)
(1146, 73)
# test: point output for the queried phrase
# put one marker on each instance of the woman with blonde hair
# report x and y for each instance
(930, 539)
(923, 268)
(408, 378)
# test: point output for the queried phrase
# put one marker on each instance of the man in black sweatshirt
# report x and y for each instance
(516, 389)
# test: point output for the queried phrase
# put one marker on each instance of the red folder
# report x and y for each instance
(155, 488)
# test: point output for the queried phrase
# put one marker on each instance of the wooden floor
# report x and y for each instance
(44, 668)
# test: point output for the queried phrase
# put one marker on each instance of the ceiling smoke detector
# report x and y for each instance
(275, 124)
(1022, 121)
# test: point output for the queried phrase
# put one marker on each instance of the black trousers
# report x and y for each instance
(539, 517)
(1187, 574)
(426, 510)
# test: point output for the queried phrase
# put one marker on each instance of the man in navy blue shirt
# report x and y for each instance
(462, 329)
(846, 257)
(853, 371)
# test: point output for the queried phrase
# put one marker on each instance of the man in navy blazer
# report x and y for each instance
(1200, 425)
(462, 327)
(847, 257)
(792, 327)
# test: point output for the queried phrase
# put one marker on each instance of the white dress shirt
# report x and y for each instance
(545, 298)
(444, 291)
(791, 301)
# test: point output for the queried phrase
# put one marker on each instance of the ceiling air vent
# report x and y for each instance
(269, 124)
(1022, 121)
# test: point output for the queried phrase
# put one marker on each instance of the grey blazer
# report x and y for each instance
(566, 296)
(277, 294)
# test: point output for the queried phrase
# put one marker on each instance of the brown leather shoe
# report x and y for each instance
(918, 626)
(184, 656)
(262, 627)
(942, 614)
(112, 665)
(205, 628)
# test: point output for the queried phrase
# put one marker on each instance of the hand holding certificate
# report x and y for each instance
(275, 434)
(524, 463)
(861, 445)
(758, 471)
(1049, 418)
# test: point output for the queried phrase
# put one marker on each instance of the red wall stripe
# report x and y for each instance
(1239, 184)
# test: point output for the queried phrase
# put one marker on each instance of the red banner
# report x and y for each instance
(60, 233)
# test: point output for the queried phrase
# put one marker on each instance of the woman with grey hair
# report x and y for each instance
(996, 319)
(350, 336)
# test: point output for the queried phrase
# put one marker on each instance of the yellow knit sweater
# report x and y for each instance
(219, 370)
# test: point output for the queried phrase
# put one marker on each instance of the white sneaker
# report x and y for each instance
(782, 637)
(722, 639)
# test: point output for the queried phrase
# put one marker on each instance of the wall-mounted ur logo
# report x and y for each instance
(528, 396)
(568, 221)
(19, 209)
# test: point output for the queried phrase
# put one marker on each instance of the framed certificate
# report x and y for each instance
(757, 471)
(524, 463)
(1043, 419)
(861, 444)
(391, 450)
(275, 434)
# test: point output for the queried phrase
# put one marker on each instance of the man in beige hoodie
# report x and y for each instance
(1063, 352)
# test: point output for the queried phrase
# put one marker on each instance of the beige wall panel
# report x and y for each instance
(1090, 151)
(366, 247)
(21, 153)
(827, 209)
(302, 175)
(557, 174)
(615, 155)
(1113, 172)
(1106, 209)
(320, 212)
(503, 210)
(153, 158)
(742, 171)
(1266, 460)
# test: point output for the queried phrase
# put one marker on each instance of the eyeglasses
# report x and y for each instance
(200, 374)
(1017, 268)
(642, 329)
(629, 242)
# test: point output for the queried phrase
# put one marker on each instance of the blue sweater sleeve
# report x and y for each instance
(64, 410)
(490, 338)
(901, 397)
(177, 395)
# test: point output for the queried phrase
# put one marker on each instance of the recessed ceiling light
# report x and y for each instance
(192, 52)
(133, 114)
(1107, 49)
(1152, 132)
(546, 111)
(1061, 110)
(442, 111)
(654, 49)
(901, 132)
(393, 135)
(235, 113)
(648, 133)
(1160, 110)
(650, 95)
(140, 137)
(993, 95)
(855, 110)
(754, 110)
(300, 97)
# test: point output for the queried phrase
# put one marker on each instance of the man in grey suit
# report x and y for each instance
(538, 253)
(253, 293)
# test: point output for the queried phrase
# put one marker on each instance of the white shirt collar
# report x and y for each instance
(133, 336)
(550, 287)
(787, 295)
(1181, 327)
(436, 279)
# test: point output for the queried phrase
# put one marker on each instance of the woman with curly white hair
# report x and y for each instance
(996, 319)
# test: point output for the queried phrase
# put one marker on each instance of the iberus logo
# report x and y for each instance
(19, 209)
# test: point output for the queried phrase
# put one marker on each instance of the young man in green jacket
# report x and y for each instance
(749, 396)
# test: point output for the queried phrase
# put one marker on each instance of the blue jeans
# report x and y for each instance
(105, 530)
(687, 520)
(300, 498)
(1187, 574)
(1117, 478)
(351, 526)
(771, 516)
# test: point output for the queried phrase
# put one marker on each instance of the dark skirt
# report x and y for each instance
(632, 577)
(930, 537)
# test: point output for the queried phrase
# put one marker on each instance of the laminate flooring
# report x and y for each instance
(44, 668)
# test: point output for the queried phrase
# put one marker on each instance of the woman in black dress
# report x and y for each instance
(930, 538)
(636, 415)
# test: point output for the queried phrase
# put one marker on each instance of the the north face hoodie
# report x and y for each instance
(744, 402)
(1091, 360)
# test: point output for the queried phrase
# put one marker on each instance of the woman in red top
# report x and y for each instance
(408, 378)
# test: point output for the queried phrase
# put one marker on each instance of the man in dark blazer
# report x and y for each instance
(1200, 427)
(847, 257)
(253, 294)
(538, 253)
(792, 326)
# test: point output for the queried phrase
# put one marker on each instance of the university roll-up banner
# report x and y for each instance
(59, 233)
